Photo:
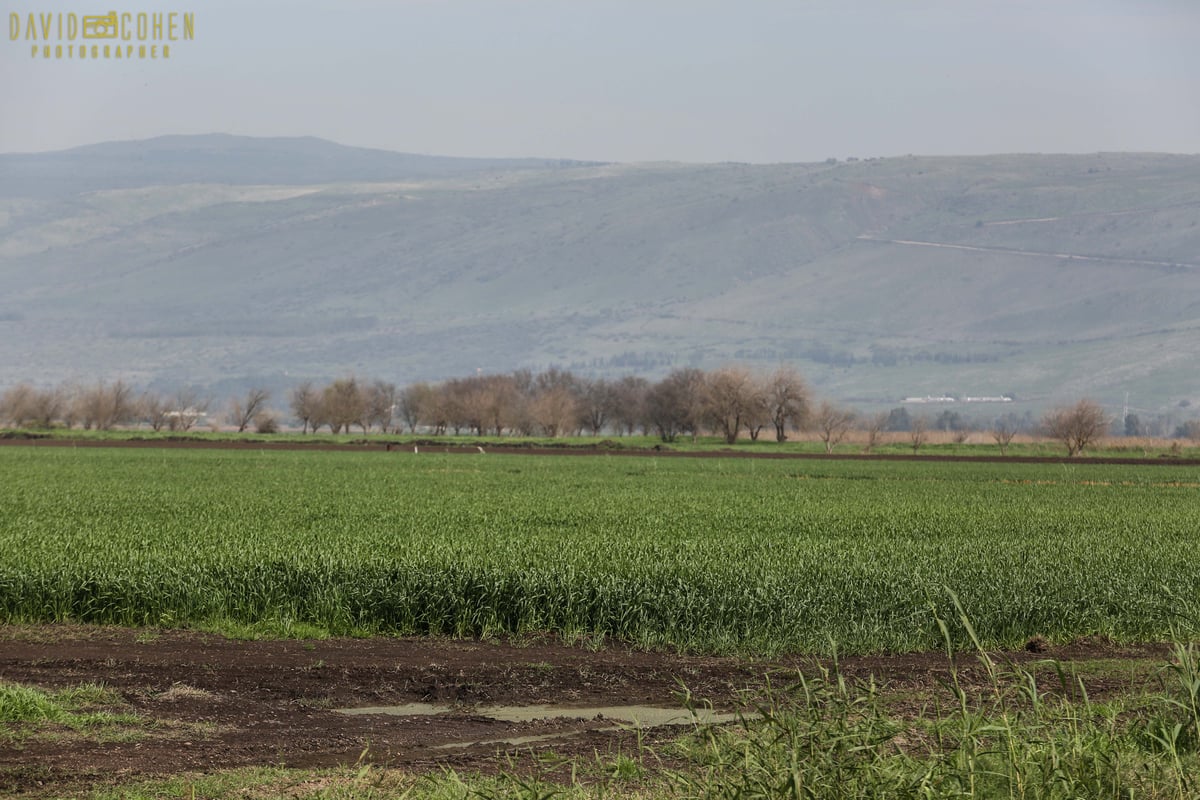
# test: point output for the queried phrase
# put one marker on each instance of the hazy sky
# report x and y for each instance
(634, 80)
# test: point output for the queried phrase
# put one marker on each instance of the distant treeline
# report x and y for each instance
(730, 402)
(555, 402)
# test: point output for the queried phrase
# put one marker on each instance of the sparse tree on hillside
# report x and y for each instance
(242, 411)
(899, 420)
(1076, 426)
(1133, 426)
(832, 424)
(949, 421)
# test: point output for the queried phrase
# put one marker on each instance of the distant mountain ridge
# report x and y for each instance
(222, 259)
(238, 160)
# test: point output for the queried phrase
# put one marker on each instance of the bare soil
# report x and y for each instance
(567, 448)
(211, 703)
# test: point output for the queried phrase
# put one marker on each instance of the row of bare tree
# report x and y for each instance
(557, 403)
(688, 401)
(100, 406)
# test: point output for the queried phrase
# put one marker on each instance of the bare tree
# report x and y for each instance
(758, 409)
(187, 409)
(152, 409)
(243, 411)
(120, 405)
(1076, 426)
(381, 404)
(918, 432)
(305, 401)
(505, 404)
(832, 424)
(677, 403)
(26, 407)
(554, 401)
(1003, 432)
(414, 404)
(731, 398)
(629, 404)
(103, 406)
(343, 404)
(453, 406)
(787, 401)
(555, 410)
(876, 424)
(597, 401)
(470, 403)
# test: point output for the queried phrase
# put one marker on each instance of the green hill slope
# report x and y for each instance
(1049, 277)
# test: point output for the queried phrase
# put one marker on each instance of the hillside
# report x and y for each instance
(215, 260)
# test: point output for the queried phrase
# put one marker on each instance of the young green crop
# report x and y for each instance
(716, 555)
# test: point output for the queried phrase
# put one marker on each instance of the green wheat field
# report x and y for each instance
(703, 555)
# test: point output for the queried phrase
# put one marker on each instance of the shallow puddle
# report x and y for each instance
(637, 716)
(514, 741)
(407, 710)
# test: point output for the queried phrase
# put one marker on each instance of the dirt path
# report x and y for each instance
(1174, 265)
(517, 447)
(212, 703)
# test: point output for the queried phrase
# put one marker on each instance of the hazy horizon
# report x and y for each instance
(581, 157)
(701, 82)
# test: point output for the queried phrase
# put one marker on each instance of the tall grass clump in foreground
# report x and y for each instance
(80, 707)
(703, 555)
(1005, 737)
